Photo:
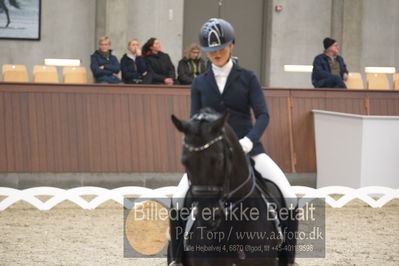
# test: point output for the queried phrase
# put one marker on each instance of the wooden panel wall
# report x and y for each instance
(277, 139)
(304, 102)
(61, 128)
(384, 103)
(127, 128)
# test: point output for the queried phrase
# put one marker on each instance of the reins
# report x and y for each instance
(223, 201)
(226, 197)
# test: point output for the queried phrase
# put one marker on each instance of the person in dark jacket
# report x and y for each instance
(191, 65)
(133, 66)
(329, 69)
(227, 87)
(104, 65)
(159, 65)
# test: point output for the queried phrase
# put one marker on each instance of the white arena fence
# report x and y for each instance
(374, 196)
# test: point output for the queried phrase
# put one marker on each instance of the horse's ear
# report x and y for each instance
(218, 124)
(181, 125)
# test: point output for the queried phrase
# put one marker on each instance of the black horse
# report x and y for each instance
(223, 183)
(4, 7)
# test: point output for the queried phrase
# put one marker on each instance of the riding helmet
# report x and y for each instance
(216, 34)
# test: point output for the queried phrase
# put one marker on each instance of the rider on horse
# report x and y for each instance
(227, 87)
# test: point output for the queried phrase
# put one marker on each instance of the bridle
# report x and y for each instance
(226, 208)
(224, 190)
(192, 148)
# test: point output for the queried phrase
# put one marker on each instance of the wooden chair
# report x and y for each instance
(45, 74)
(396, 81)
(377, 81)
(74, 74)
(15, 73)
(354, 81)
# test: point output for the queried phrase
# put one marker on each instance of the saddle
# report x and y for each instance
(269, 192)
(268, 188)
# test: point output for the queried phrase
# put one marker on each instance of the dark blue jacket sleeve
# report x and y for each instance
(319, 70)
(259, 107)
(195, 99)
(113, 65)
(95, 67)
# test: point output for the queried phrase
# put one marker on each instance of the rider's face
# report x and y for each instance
(220, 57)
(105, 46)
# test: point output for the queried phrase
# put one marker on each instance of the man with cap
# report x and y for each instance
(329, 69)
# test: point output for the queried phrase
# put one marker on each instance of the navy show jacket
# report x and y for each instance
(241, 93)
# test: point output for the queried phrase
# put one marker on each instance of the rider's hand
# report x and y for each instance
(246, 144)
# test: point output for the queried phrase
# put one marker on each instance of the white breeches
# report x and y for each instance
(266, 167)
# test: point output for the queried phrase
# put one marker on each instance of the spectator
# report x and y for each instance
(104, 65)
(160, 67)
(329, 69)
(134, 69)
(191, 65)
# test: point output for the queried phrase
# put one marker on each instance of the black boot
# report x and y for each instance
(287, 252)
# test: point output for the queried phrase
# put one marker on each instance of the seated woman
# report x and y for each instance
(104, 65)
(191, 65)
(159, 65)
(134, 69)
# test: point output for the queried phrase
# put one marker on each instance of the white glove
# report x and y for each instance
(246, 144)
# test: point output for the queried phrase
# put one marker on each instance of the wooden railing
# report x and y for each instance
(127, 128)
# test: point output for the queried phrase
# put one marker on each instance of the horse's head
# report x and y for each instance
(215, 163)
(207, 158)
(206, 152)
